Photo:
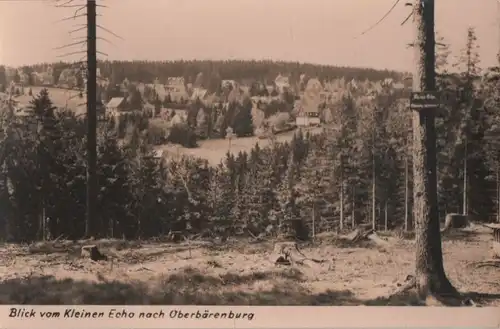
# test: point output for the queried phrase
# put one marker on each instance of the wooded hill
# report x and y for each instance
(214, 71)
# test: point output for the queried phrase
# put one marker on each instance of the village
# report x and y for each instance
(277, 107)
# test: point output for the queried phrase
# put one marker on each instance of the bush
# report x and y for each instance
(157, 132)
(184, 135)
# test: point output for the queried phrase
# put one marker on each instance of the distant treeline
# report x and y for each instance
(213, 71)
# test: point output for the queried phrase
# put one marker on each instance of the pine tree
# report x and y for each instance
(3, 77)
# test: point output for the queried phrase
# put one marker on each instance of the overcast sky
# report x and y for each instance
(317, 31)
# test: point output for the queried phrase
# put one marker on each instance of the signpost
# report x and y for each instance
(229, 136)
(424, 100)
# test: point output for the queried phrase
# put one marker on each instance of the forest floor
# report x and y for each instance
(237, 272)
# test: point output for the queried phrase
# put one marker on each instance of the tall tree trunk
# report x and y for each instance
(430, 274)
(386, 217)
(464, 206)
(314, 221)
(341, 195)
(353, 210)
(407, 194)
(374, 187)
(498, 189)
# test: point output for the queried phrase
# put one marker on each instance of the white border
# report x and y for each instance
(287, 317)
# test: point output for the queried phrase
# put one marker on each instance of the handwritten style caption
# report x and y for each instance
(114, 313)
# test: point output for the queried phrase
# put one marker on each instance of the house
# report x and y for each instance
(116, 105)
(282, 83)
(47, 79)
(176, 88)
(199, 93)
(309, 118)
(171, 81)
(67, 79)
(229, 84)
(308, 112)
(160, 91)
(179, 117)
(270, 89)
(37, 78)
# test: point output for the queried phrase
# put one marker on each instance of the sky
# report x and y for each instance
(315, 31)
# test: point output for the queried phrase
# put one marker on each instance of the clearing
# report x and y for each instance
(237, 272)
(60, 98)
(215, 150)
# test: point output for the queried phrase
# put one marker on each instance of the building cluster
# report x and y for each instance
(312, 98)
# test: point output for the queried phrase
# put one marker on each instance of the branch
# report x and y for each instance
(71, 44)
(110, 32)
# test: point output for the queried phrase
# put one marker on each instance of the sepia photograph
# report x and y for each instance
(249, 152)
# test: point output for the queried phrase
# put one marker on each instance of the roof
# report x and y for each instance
(175, 81)
(198, 93)
(115, 102)
(148, 106)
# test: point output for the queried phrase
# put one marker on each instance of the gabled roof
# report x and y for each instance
(198, 93)
(115, 102)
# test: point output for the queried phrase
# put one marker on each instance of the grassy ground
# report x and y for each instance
(215, 150)
(236, 273)
(60, 97)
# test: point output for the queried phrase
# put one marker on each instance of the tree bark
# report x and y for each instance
(430, 275)
(407, 193)
(341, 194)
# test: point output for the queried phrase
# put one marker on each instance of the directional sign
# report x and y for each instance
(229, 133)
(424, 100)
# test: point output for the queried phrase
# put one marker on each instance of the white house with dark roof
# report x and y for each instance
(308, 112)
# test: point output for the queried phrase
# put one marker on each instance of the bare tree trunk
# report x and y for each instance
(353, 214)
(44, 221)
(430, 274)
(342, 198)
(464, 206)
(498, 191)
(374, 188)
(5, 182)
(386, 217)
(92, 182)
(314, 220)
(407, 193)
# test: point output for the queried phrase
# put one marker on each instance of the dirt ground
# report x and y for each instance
(238, 272)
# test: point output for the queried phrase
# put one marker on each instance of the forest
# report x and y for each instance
(212, 71)
(357, 171)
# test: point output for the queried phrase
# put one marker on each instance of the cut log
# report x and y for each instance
(378, 240)
(287, 253)
(359, 235)
(92, 252)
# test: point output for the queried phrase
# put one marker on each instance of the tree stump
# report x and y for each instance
(92, 252)
(496, 243)
(455, 221)
(175, 236)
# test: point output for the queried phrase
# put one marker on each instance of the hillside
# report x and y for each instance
(215, 70)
